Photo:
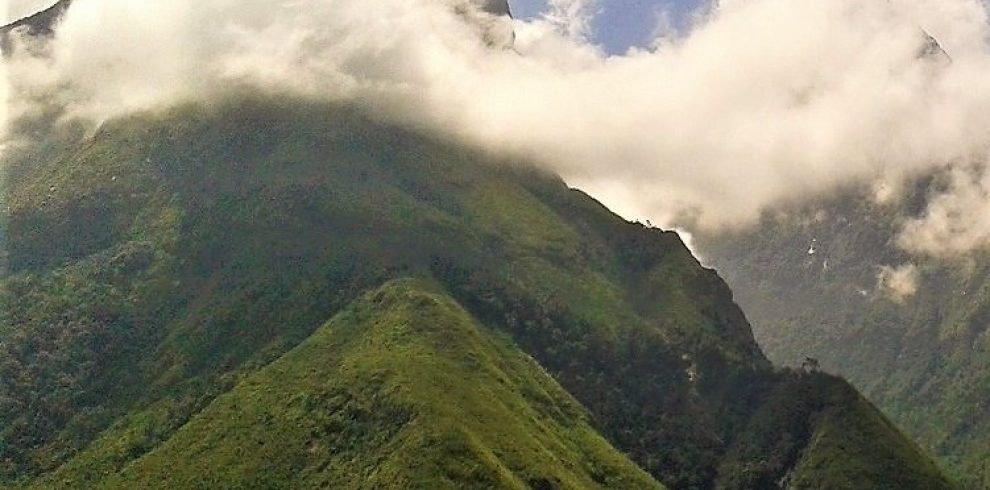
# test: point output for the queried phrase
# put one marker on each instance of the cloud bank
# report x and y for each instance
(763, 102)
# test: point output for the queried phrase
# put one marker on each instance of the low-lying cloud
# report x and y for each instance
(898, 283)
(763, 102)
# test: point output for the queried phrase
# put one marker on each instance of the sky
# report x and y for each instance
(619, 25)
(750, 105)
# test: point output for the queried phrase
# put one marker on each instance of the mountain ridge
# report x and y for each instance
(171, 255)
(161, 267)
(390, 366)
(40, 24)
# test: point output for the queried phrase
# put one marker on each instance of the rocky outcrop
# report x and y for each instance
(495, 7)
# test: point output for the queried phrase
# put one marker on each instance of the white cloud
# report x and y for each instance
(956, 221)
(898, 283)
(766, 101)
(572, 18)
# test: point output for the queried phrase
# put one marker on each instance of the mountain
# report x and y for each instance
(816, 281)
(39, 24)
(283, 293)
(402, 389)
(154, 267)
(494, 7)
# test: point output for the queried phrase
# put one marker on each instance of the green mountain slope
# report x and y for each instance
(923, 358)
(402, 389)
(160, 269)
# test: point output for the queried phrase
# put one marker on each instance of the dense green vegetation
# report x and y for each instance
(400, 390)
(172, 270)
(923, 358)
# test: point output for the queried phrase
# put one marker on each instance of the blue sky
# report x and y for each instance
(621, 24)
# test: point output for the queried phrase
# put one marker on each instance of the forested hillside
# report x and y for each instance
(829, 280)
(156, 264)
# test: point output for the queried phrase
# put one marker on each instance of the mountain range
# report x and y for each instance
(276, 293)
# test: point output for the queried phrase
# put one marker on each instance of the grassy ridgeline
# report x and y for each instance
(402, 389)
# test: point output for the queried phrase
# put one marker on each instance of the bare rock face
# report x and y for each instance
(494, 7)
(492, 18)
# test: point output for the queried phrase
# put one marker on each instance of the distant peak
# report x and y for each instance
(495, 7)
(496, 27)
(932, 50)
(42, 22)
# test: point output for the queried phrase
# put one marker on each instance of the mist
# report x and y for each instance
(898, 283)
(762, 102)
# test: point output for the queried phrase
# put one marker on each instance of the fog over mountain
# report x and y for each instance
(760, 102)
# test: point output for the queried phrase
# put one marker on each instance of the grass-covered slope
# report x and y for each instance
(402, 389)
(923, 358)
(843, 452)
(157, 264)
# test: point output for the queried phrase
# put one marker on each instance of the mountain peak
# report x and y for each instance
(494, 7)
(496, 23)
(42, 22)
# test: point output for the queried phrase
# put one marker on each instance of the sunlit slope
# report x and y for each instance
(161, 265)
(402, 389)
